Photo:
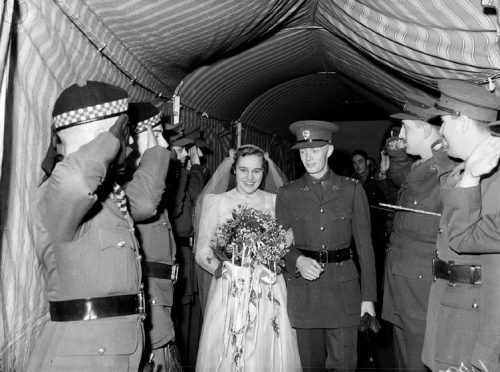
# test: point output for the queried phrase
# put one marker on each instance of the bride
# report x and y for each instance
(241, 332)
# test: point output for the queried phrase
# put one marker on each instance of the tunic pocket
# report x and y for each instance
(299, 226)
(115, 267)
(342, 232)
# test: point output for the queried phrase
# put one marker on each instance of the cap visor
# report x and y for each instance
(306, 145)
(182, 142)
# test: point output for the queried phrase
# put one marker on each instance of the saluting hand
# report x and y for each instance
(484, 157)
(385, 162)
(309, 269)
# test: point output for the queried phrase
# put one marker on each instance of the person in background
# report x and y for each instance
(186, 180)
(154, 232)
(408, 268)
(85, 240)
(464, 302)
(325, 211)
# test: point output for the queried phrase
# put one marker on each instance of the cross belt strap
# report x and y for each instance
(97, 308)
(468, 274)
(160, 270)
(324, 256)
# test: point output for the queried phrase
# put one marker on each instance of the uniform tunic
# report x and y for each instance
(463, 319)
(87, 249)
(408, 268)
(327, 221)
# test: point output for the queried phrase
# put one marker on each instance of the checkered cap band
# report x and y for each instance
(143, 125)
(90, 113)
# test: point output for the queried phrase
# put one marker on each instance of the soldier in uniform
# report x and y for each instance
(464, 301)
(187, 178)
(154, 232)
(85, 240)
(325, 211)
(408, 266)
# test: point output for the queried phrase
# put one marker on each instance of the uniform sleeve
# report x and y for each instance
(283, 218)
(208, 224)
(362, 236)
(180, 194)
(145, 190)
(400, 165)
(70, 190)
(469, 231)
(196, 181)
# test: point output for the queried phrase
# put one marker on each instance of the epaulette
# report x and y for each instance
(353, 180)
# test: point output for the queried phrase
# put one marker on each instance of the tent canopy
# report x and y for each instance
(262, 63)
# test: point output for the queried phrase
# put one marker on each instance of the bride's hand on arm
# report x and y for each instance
(206, 229)
(289, 237)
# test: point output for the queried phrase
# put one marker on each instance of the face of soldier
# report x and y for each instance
(412, 132)
(73, 138)
(359, 164)
(249, 173)
(452, 135)
(315, 159)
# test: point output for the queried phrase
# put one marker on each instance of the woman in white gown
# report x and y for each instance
(246, 326)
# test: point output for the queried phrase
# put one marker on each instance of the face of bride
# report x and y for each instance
(249, 173)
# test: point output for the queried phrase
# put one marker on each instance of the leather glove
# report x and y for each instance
(369, 323)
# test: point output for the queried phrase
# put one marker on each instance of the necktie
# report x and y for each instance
(121, 199)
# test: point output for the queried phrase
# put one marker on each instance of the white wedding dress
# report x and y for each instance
(246, 325)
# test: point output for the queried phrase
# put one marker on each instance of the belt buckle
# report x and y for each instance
(142, 304)
(323, 257)
(473, 269)
(451, 282)
(174, 273)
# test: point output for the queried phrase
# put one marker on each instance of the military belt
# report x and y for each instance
(468, 274)
(97, 308)
(160, 270)
(324, 256)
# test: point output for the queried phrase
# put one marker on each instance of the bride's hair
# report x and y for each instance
(247, 150)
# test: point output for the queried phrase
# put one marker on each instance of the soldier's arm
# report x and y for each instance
(145, 190)
(181, 193)
(362, 236)
(400, 162)
(196, 180)
(283, 218)
(469, 231)
(69, 193)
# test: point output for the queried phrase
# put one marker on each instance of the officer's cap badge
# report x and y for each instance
(306, 134)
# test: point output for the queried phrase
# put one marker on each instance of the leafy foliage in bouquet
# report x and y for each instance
(251, 237)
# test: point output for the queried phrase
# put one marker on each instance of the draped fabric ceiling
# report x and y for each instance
(264, 63)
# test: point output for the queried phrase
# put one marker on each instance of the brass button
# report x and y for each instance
(322, 228)
(323, 246)
(415, 202)
(343, 217)
(153, 301)
(322, 210)
(139, 257)
(475, 305)
(420, 276)
(102, 350)
(121, 243)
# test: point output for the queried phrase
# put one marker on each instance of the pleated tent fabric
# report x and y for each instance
(252, 62)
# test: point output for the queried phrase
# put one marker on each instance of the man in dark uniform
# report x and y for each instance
(85, 240)
(374, 189)
(464, 302)
(408, 267)
(325, 211)
(154, 233)
(186, 180)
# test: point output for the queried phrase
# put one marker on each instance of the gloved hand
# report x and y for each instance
(369, 323)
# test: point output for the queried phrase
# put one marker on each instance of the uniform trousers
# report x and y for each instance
(328, 349)
(408, 351)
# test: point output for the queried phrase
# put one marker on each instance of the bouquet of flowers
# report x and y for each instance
(249, 238)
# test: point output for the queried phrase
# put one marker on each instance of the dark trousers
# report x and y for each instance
(408, 351)
(187, 314)
(328, 349)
